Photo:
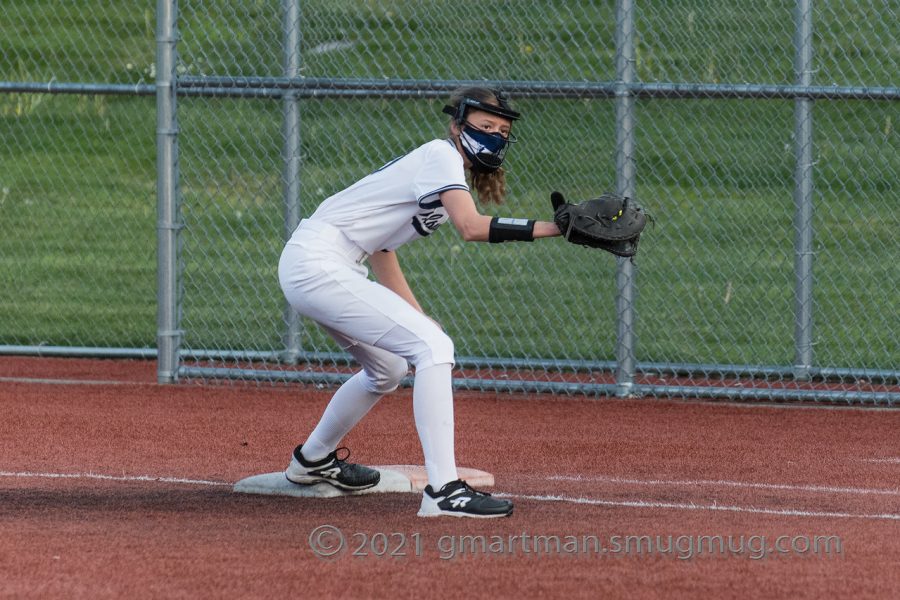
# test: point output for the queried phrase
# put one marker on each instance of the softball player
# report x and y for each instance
(380, 323)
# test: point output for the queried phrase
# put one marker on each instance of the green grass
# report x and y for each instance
(715, 274)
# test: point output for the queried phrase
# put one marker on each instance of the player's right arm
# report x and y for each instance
(386, 268)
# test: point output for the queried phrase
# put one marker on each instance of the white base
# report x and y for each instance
(394, 478)
(276, 484)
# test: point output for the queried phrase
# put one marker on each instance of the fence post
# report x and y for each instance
(803, 195)
(169, 224)
(291, 160)
(625, 185)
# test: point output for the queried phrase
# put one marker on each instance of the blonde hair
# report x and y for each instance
(490, 188)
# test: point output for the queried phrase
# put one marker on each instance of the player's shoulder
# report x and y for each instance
(441, 150)
(436, 155)
(441, 146)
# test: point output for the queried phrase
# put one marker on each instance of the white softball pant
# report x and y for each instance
(323, 278)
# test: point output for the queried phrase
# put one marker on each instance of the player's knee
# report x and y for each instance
(386, 377)
(438, 349)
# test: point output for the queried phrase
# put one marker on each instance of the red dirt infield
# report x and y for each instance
(113, 486)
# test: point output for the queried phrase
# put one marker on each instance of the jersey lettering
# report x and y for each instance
(427, 220)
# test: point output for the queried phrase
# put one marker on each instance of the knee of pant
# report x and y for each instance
(386, 378)
(438, 350)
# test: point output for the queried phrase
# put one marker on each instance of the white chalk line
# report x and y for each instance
(137, 478)
(727, 483)
(787, 512)
(890, 461)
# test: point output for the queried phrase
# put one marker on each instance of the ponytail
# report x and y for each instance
(490, 187)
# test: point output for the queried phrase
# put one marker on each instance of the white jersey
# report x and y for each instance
(399, 202)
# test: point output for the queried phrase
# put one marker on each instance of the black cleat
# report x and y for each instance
(457, 499)
(331, 469)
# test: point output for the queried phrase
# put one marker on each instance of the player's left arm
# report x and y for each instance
(476, 227)
(386, 268)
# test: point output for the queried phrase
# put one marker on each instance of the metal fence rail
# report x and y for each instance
(279, 87)
(761, 137)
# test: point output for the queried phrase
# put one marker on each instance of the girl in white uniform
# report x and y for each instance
(380, 323)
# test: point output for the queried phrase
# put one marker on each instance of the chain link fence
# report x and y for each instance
(761, 136)
(77, 174)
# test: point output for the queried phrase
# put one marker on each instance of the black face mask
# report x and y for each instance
(484, 150)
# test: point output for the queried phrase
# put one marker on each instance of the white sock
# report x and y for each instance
(348, 405)
(433, 409)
